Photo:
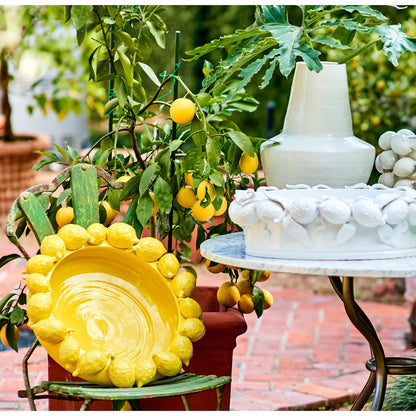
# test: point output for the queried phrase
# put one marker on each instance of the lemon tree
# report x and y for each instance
(182, 171)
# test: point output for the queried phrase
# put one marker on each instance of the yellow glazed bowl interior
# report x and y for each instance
(114, 301)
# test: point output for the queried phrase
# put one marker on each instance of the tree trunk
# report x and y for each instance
(5, 103)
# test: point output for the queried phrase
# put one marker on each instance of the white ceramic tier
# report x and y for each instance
(317, 144)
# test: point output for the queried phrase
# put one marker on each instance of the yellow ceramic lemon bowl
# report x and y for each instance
(110, 317)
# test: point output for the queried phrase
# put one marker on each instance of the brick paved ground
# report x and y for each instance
(302, 354)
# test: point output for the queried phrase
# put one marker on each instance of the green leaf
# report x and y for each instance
(242, 141)
(127, 68)
(365, 11)
(163, 195)
(63, 195)
(197, 132)
(150, 73)
(175, 144)
(102, 158)
(6, 298)
(217, 179)
(333, 43)
(144, 209)
(114, 198)
(275, 14)
(120, 91)
(290, 46)
(63, 153)
(125, 38)
(11, 336)
(130, 188)
(238, 36)
(395, 41)
(213, 152)
(157, 33)
(80, 15)
(258, 300)
(17, 315)
(8, 258)
(147, 177)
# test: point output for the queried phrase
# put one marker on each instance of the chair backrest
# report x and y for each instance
(84, 189)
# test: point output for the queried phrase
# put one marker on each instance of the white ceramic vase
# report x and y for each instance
(317, 144)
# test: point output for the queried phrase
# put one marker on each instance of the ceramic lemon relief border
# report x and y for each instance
(110, 308)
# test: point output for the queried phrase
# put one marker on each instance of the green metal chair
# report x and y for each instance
(31, 207)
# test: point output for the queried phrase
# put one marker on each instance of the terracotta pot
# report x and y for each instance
(16, 160)
(212, 355)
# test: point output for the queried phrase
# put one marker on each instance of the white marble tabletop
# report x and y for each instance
(229, 249)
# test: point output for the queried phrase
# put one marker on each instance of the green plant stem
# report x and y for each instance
(105, 42)
(134, 145)
(101, 139)
(358, 52)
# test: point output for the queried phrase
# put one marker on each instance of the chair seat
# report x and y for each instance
(180, 385)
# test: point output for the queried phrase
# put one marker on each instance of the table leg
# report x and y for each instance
(378, 379)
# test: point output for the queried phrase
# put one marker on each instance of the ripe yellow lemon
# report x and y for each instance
(183, 348)
(74, 236)
(121, 373)
(182, 110)
(149, 249)
(245, 304)
(268, 299)
(168, 265)
(222, 208)
(189, 308)
(167, 363)
(40, 263)
(3, 336)
(214, 267)
(205, 187)
(126, 407)
(90, 363)
(202, 214)
(145, 371)
(39, 306)
(244, 286)
(121, 235)
(186, 197)
(228, 294)
(37, 283)
(53, 246)
(193, 328)
(183, 284)
(64, 216)
(110, 212)
(265, 276)
(68, 352)
(248, 164)
(97, 233)
(50, 330)
(188, 179)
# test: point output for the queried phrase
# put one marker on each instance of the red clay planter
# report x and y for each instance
(212, 355)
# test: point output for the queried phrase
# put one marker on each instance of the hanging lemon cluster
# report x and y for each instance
(95, 364)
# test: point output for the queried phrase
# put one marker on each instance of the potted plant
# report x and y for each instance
(287, 36)
(27, 38)
(169, 164)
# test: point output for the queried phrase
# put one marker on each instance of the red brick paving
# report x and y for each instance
(302, 354)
